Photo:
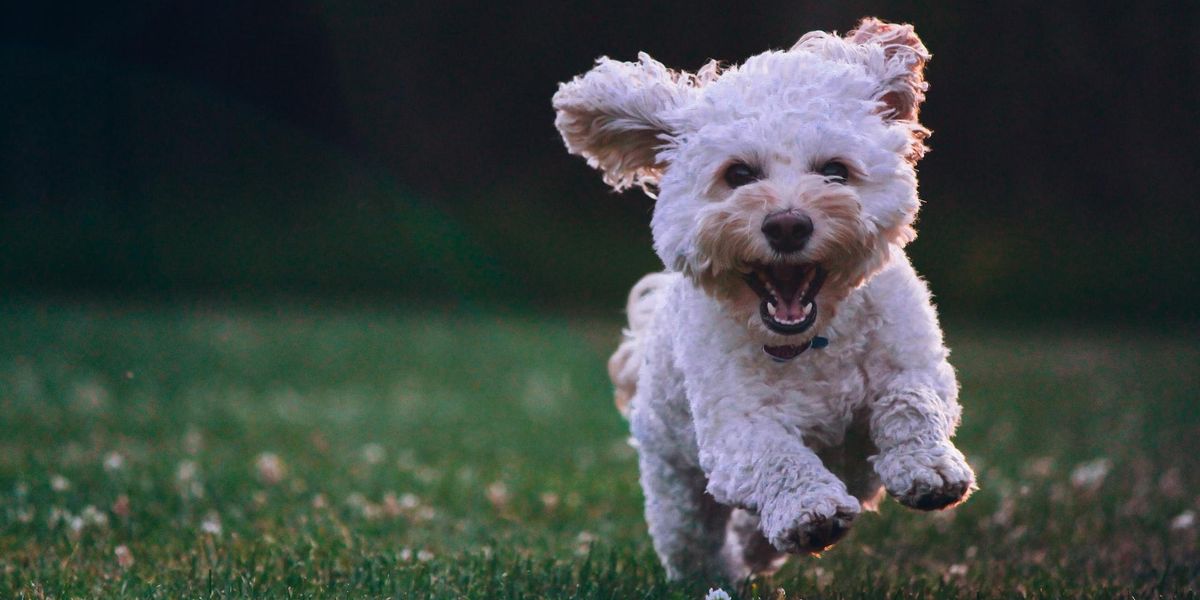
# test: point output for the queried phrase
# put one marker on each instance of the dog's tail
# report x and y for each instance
(625, 362)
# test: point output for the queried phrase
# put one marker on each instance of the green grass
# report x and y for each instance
(471, 455)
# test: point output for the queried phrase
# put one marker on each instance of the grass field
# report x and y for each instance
(152, 451)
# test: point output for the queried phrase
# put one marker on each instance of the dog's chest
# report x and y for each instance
(819, 393)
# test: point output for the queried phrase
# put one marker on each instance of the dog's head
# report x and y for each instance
(783, 183)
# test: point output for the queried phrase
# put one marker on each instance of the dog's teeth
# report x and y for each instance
(771, 309)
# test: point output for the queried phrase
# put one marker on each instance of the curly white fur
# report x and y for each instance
(744, 458)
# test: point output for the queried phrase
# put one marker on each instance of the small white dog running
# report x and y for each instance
(788, 365)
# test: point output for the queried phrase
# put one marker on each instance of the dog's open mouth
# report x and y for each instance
(788, 294)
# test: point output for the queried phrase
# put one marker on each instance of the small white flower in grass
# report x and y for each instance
(186, 472)
(114, 462)
(955, 571)
(1089, 476)
(406, 554)
(319, 502)
(270, 468)
(187, 480)
(59, 483)
(1184, 520)
(497, 494)
(124, 556)
(369, 510)
(211, 524)
(717, 594)
(372, 511)
(549, 500)
(94, 517)
(424, 513)
(373, 454)
(583, 542)
(76, 525)
(424, 556)
(406, 504)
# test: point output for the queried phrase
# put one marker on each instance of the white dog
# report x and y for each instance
(788, 364)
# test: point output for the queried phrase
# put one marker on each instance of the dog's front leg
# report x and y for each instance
(753, 461)
(917, 463)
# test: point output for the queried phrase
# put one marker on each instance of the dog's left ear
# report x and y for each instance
(903, 71)
(615, 117)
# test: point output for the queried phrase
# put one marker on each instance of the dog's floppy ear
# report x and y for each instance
(903, 71)
(614, 114)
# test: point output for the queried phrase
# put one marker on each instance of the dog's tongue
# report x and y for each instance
(789, 282)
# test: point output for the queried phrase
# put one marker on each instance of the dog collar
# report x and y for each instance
(785, 353)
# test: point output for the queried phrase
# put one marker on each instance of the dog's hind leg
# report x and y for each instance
(747, 551)
(686, 524)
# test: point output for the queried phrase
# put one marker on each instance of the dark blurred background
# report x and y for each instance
(406, 151)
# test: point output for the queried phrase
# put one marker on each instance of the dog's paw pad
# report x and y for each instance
(819, 533)
(926, 497)
(815, 530)
(928, 478)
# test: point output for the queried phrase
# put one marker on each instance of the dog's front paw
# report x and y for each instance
(926, 477)
(816, 523)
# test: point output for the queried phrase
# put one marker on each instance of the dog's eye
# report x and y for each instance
(739, 174)
(835, 171)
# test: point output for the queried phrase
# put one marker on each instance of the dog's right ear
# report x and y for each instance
(904, 82)
(614, 116)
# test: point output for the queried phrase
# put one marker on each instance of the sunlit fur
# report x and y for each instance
(742, 458)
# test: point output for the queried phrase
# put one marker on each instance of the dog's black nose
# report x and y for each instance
(787, 231)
